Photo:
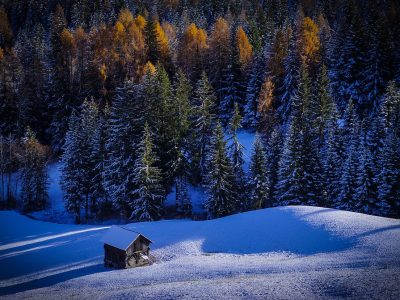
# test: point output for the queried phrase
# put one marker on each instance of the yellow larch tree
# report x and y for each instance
(140, 22)
(309, 43)
(163, 42)
(193, 48)
(149, 68)
(68, 47)
(266, 105)
(245, 50)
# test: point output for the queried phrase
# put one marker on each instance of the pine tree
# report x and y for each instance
(348, 177)
(203, 124)
(346, 59)
(10, 83)
(236, 150)
(325, 105)
(152, 43)
(389, 177)
(388, 155)
(98, 157)
(122, 131)
(365, 192)
(34, 177)
(221, 197)
(180, 161)
(62, 100)
(78, 165)
(88, 125)
(163, 122)
(332, 155)
(299, 167)
(376, 65)
(274, 146)
(147, 198)
(259, 186)
(291, 80)
(71, 183)
(251, 114)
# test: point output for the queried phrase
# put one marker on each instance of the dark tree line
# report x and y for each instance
(119, 87)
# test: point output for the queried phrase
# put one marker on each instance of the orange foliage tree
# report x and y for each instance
(309, 43)
(245, 50)
(266, 105)
(163, 42)
(219, 50)
(193, 49)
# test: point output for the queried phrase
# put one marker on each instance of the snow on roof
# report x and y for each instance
(120, 237)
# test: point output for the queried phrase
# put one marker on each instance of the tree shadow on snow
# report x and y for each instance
(52, 279)
(274, 231)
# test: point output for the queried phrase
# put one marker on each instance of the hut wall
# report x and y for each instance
(114, 257)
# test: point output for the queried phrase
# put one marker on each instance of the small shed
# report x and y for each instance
(125, 248)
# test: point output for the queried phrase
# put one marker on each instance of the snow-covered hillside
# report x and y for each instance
(287, 252)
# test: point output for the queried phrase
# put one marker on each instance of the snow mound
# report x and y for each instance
(38, 258)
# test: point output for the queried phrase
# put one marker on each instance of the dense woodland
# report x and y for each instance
(141, 97)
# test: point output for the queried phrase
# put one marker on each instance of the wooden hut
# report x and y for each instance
(125, 248)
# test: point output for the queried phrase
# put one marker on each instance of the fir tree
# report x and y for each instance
(251, 115)
(299, 167)
(332, 155)
(180, 161)
(152, 43)
(221, 197)
(122, 132)
(78, 166)
(325, 105)
(274, 147)
(236, 156)
(290, 82)
(98, 156)
(259, 186)
(389, 177)
(365, 192)
(203, 124)
(388, 154)
(71, 176)
(34, 177)
(88, 125)
(348, 184)
(147, 198)
(163, 122)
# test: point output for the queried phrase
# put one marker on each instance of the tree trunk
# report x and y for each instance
(87, 208)
(77, 215)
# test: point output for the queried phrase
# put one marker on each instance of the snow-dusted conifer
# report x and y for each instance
(365, 192)
(236, 155)
(147, 198)
(120, 146)
(220, 190)
(71, 183)
(203, 124)
(34, 177)
(180, 160)
(259, 186)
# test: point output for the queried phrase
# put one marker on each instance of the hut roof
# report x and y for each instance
(120, 237)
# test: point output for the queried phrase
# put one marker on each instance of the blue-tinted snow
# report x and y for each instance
(298, 251)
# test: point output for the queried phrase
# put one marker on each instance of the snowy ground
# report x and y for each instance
(280, 253)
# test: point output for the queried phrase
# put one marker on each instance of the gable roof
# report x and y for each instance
(120, 237)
